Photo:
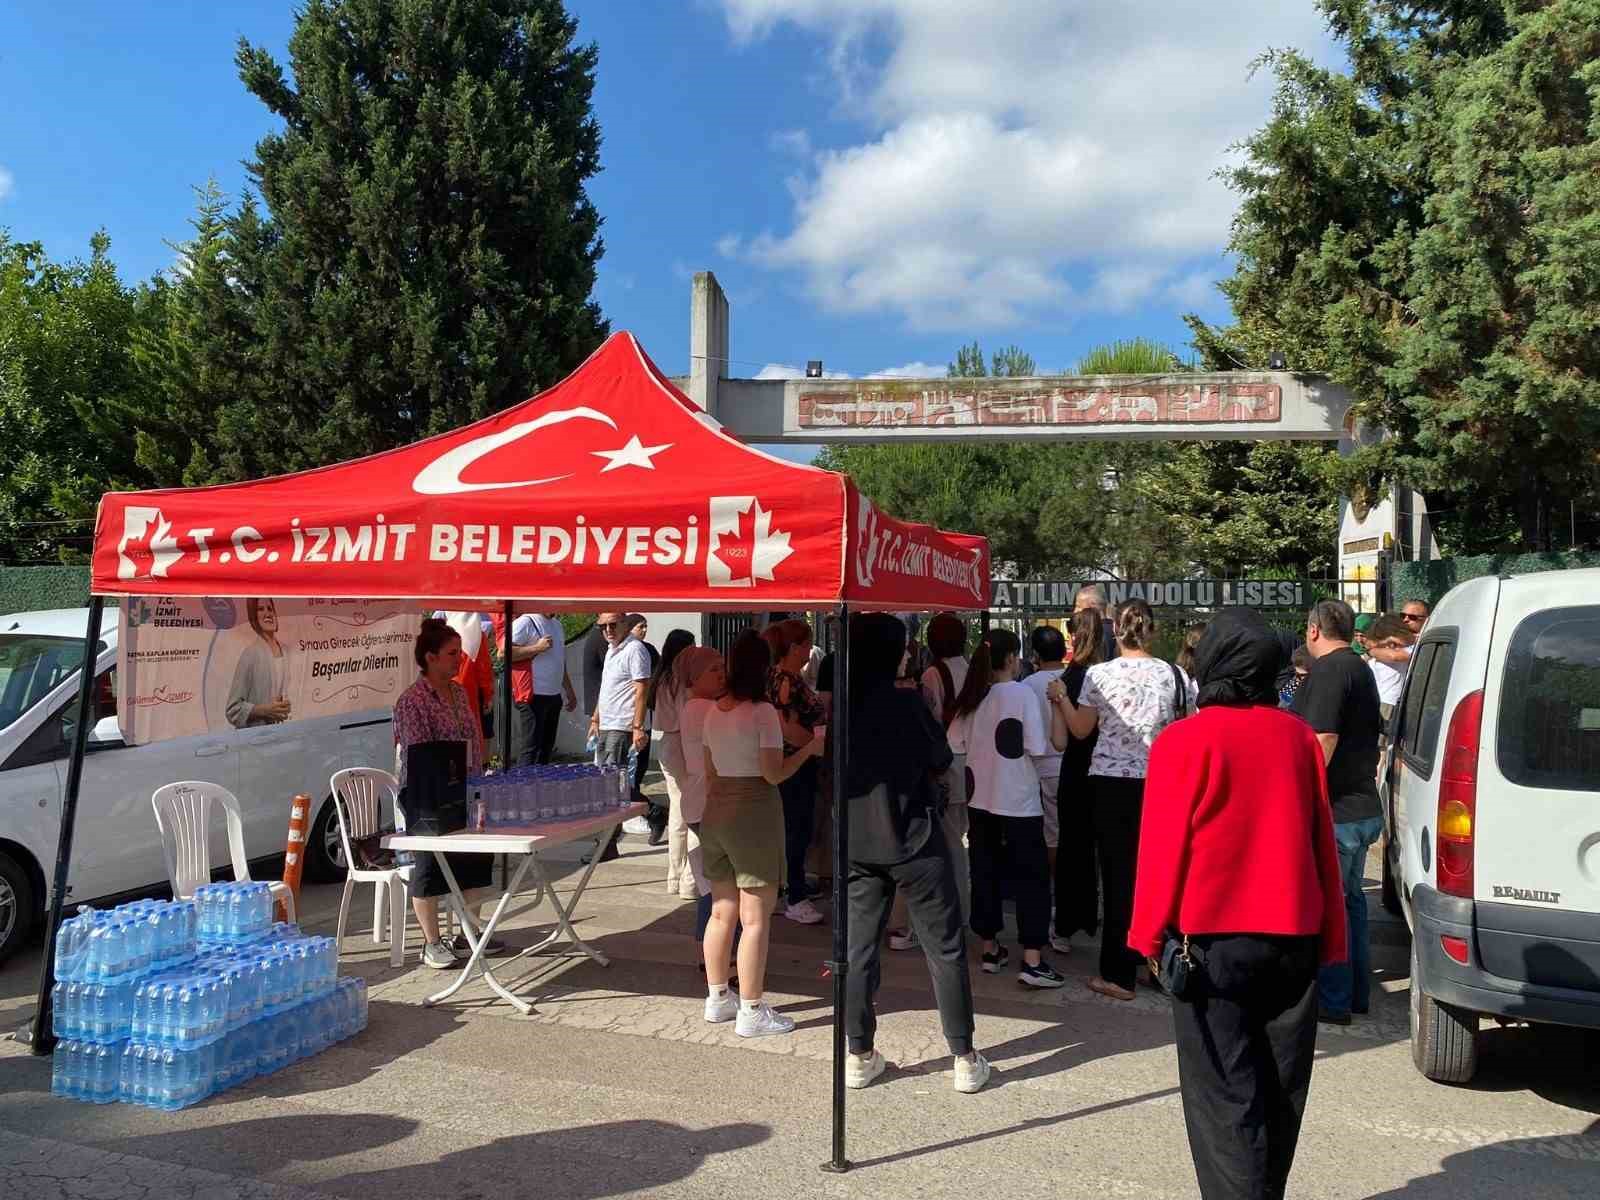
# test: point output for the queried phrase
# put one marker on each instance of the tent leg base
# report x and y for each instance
(835, 1168)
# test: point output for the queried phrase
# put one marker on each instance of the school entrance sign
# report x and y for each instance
(1187, 406)
(1039, 596)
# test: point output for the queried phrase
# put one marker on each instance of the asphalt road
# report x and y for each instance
(614, 1086)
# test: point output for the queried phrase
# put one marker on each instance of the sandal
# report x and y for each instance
(1102, 987)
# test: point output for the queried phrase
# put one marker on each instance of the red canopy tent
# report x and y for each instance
(610, 487)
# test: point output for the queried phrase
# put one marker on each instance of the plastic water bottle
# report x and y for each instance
(237, 919)
(132, 1081)
(61, 1066)
(72, 943)
(104, 1071)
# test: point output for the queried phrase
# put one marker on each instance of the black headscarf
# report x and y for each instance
(893, 737)
(1237, 660)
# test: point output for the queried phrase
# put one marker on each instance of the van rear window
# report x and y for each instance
(1550, 701)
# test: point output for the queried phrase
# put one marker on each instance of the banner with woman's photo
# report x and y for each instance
(191, 666)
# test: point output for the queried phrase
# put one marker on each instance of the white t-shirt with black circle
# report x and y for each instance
(1136, 699)
(998, 740)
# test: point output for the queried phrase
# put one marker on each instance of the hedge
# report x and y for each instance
(1431, 580)
(28, 589)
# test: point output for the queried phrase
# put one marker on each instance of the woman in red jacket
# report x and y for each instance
(1236, 854)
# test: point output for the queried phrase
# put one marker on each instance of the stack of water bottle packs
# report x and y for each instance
(163, 1003)
(550, 792)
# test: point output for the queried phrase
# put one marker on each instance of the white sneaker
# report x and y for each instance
(636, 825)
(761, 1021)
(722, 1009)
(804, 913)
(902, 939)
(1059, 944)
(439, 956)
(862, 1069)
(971, 1074)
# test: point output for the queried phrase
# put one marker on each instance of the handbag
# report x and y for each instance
(370, 854)
(1177, 970)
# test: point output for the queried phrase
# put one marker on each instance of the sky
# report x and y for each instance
(874, 182)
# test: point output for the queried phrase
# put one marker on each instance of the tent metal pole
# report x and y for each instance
(505, 694)
(43, 1038)
(840, 964)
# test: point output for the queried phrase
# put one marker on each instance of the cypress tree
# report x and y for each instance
(428, 249)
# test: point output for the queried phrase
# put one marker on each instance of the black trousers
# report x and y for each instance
(1077, 873)
(1009, 850)
(1118, 808)
(799, 793)
(537, 722)
(928, 883)
(1245, 1046)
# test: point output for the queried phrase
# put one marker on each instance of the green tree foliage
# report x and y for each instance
(429, 249)
(1131, 356)
(1245, 508)
(70, 396)
(1012, 362)
(968, 363)
(1423, 230)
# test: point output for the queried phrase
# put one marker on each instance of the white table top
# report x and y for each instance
(515, 839)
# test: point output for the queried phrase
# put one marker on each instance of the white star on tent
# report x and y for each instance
(634, 454)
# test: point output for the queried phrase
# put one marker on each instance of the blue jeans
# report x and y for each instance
(1347, 986)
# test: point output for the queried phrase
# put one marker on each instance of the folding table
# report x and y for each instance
(525, 843)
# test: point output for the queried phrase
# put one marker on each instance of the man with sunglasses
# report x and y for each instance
(1414, 615)
(617, 724)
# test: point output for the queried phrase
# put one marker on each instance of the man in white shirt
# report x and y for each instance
(1389, 644)
(617, 723)
(539, 683)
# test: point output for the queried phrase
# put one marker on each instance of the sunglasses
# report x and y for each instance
(1412, 617)
(609, 624)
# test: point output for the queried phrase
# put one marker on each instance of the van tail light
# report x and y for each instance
(1456, 948)
(1458, 797)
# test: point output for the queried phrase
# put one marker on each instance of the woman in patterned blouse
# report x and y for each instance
(800, 710)
(435, 709)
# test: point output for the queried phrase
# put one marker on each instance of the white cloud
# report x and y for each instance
(1051, 160)
(728, 245)
(786, 371)
(1197, 290)
(8, 183)
(911, 370)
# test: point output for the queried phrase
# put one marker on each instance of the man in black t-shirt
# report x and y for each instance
(1339, 700)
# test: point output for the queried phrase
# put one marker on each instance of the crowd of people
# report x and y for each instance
(1209, 817)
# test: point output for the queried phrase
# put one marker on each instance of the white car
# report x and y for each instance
(116, 849)
(1493, 813)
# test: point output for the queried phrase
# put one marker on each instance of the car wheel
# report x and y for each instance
(19, 907)
(1391, 889)
(1444, 1039)
(324, 851)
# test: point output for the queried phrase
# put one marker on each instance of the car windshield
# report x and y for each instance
(30, 666)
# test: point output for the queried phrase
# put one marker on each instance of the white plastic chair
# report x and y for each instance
(359, 794)
(183, 816)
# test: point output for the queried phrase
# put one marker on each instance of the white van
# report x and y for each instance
(116, 850)
(1493, 813)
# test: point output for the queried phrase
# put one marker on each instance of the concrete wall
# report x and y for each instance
(1238, 404)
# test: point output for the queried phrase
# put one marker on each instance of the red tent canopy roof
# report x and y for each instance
(610, 487)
